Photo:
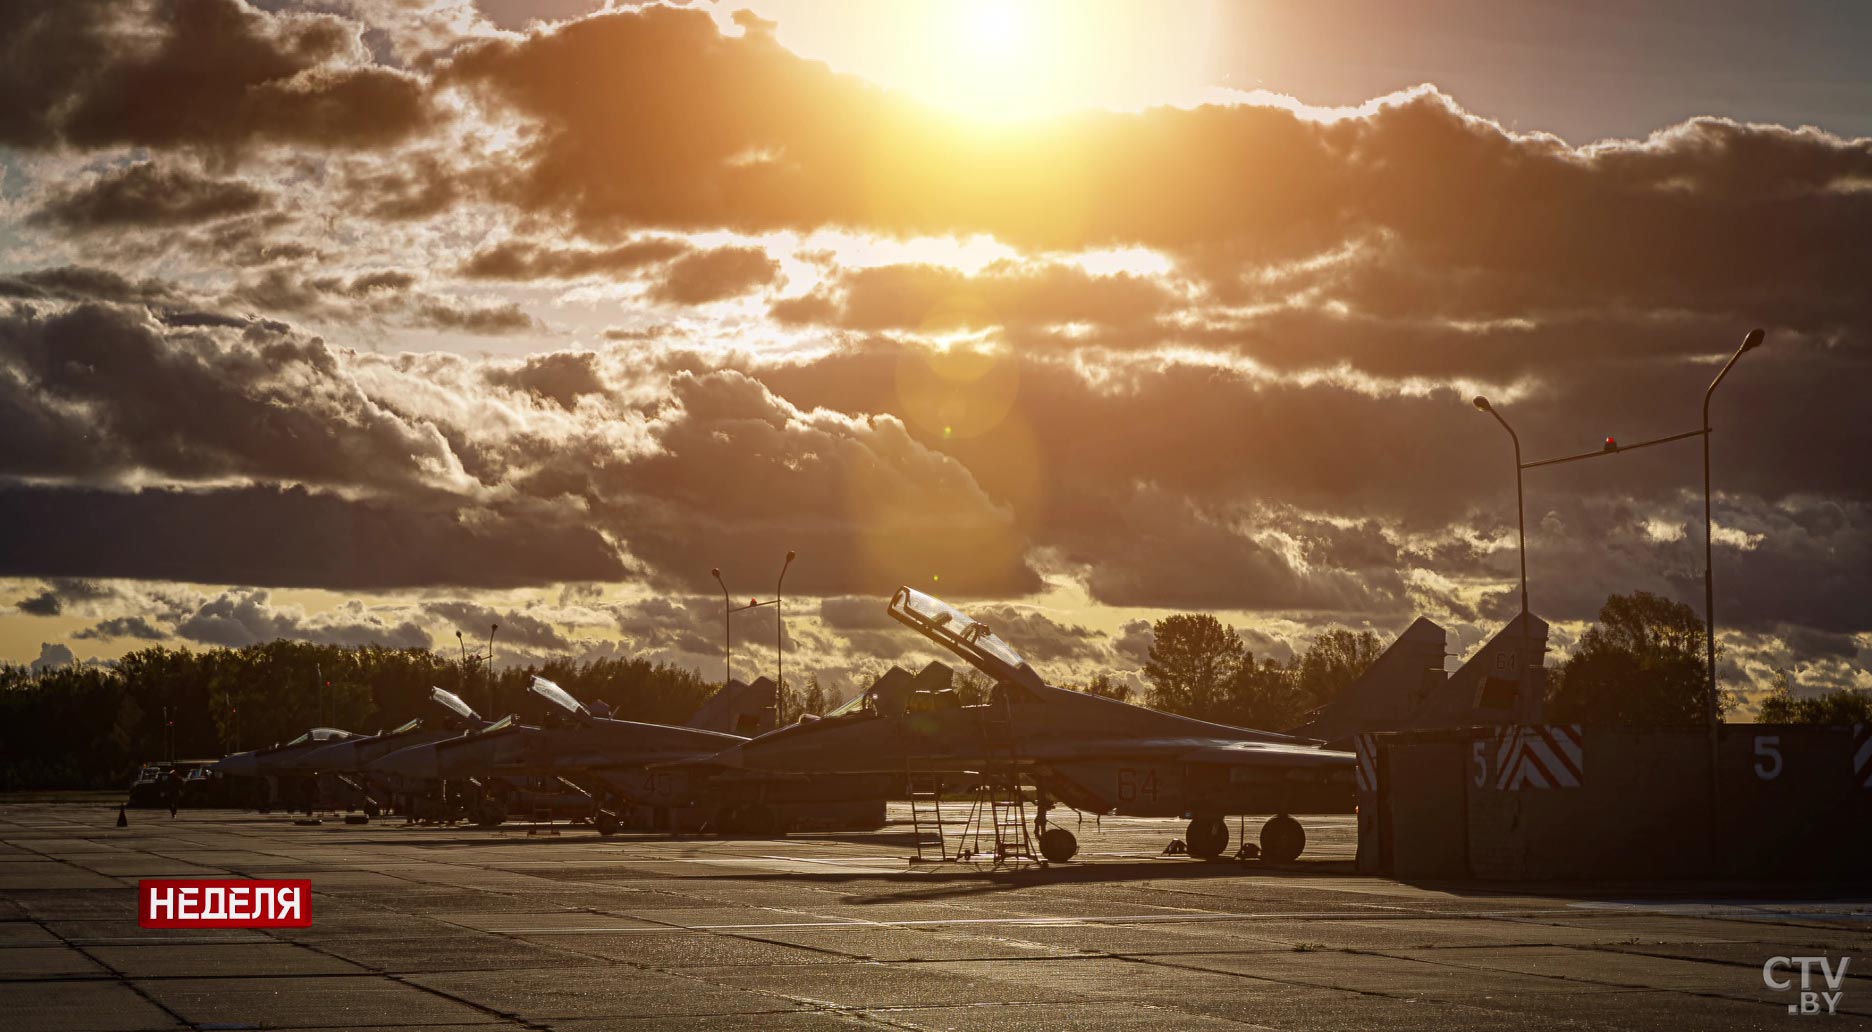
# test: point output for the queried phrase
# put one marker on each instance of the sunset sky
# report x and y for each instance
(371, 320)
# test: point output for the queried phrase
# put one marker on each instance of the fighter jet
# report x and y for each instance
(1093, 754)
(1407, 688)
(591, 751)
(279, 759)
(652, 767)
(348, 759)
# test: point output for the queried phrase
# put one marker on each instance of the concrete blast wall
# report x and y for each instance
(1560, 802)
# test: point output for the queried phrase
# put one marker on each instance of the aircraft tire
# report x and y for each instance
(1058, 845)
(489, 816)
(606, 822)
(1282, 839)
(1207, 836)
(371, 809)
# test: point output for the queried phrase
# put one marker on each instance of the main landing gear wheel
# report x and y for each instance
(490, 815)
(1207, 836)
(1058, 845)
(1282, 839)
(606, 822)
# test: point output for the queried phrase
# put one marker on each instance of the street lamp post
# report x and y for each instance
(1520, 509)
(1524, 706)
(780, 634)
(727, 631)
(1749, 343)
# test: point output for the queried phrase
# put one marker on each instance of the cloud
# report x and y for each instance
(939, 299)
(148, 194)
(246, 617)
(524, 260)
(715, 275)
(61, 593)
(52, 655)
(289, 538)
(216, 74)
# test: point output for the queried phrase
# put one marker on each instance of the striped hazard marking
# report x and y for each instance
(1539, 756)
(1862, 754)
(1366, 774)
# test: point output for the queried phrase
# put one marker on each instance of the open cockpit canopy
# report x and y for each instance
(559, 697)
(963, 635)
(453, 703)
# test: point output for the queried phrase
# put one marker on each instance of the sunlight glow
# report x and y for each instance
(1012, 60)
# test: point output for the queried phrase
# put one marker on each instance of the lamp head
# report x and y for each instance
(1482, 403)
(715, 573)
(1753, 340)
(790, 555)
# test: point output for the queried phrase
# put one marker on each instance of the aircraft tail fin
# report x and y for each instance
(739, 708)
(1391, 691)
(1503, 683)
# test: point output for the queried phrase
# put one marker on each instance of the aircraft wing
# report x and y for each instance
(1220, 752)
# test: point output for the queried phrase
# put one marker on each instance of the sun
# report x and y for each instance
(1010, 60)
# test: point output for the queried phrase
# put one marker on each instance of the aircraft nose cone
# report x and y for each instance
(240, 765)
(415, 762)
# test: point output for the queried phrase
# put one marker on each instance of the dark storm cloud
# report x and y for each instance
(287, 538)
(209, 73)
(148, 194)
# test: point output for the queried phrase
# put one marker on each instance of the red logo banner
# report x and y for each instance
(224, 903)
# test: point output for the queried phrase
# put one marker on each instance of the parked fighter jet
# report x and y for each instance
(1093, 754)
(348, 759)
(1407, 688)
(622, 763)
(279, 759)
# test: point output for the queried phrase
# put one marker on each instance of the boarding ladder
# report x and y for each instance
(998, 825)
(924, 789)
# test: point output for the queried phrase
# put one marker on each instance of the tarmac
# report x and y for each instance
(459, 928)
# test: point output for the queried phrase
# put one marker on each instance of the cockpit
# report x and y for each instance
(962, 634)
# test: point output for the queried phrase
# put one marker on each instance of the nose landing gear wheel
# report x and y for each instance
(1058, 845)
(1207, 836)
(1282, 839)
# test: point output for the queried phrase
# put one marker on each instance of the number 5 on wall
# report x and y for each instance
(1768, 747)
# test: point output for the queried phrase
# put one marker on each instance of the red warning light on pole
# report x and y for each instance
(1610, 444)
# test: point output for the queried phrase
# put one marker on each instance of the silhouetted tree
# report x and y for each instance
(1192, 657)
(1106, 687)
(1642, 664)
(1265, 695)
(1335, 659)
(1843, 706)
(814, 701)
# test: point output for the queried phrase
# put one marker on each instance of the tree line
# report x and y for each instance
(1644, 663)
(86, 726)
(89, 726)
